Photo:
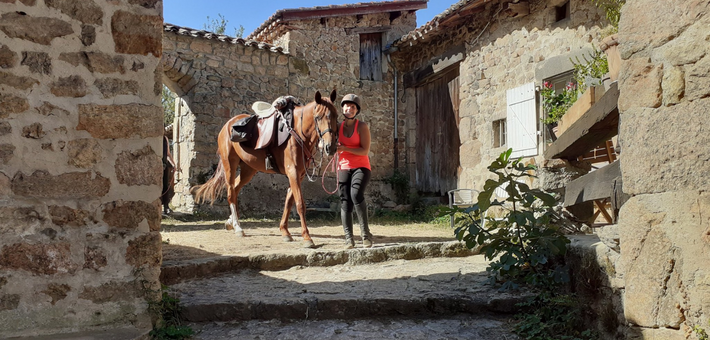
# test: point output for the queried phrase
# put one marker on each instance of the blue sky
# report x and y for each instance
(252, 13)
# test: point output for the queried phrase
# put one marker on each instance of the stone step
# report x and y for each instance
(173, 272)
(457, 327)
(108, 334)
(425, 287)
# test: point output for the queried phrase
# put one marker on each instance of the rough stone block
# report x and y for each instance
(145, 250)
(38, 259)
(73, 185)
(37, 30)
(88, 35)
(84, 153)
(12, 104)
(72, 86)
(33, 131)
(664, 253)
(672, 141)
(697, 82)
(48, 109)
(67, 217)
(86, 11)
(6, 152)
(642, 79)
(18, 220)
(111, 87)
(111, 292)
(137, 34)
(57, 291)
(96, 61)
(8, 58)
(9, 302)
(94, 258)
(121, 121)
(140, 167)
(38, 62)
(5, 128)
(128, 215)
(22, 83)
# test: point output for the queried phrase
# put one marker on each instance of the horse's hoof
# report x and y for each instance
(309, 244)
(240, 233)
(228, 226)
(287, 238)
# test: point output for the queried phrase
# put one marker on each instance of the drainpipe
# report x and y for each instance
(396, 115)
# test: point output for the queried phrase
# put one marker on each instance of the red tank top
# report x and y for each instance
(349, 160)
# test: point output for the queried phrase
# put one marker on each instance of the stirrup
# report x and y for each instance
(268, 162)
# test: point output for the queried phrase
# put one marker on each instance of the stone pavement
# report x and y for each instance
(417, 287)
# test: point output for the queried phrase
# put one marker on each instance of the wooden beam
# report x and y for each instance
(357, 9)
(595, 185)
(598, 124)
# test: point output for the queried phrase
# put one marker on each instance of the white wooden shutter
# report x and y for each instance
(522, 121)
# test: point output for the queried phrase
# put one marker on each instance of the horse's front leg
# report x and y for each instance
(295, 182)
(283, 226)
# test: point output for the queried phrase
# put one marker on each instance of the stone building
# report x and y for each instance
(471, 74)
(80, 123)
(295, 52)
(80, 141)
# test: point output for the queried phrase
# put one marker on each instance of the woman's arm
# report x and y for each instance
(364, 131)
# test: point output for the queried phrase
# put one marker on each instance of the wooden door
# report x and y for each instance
(437, 139)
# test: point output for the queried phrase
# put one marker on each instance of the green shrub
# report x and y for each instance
(523, 244)
(169, 326)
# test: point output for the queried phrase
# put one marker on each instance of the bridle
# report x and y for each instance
(307, 155)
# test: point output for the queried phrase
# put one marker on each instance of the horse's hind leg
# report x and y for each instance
(236, 184)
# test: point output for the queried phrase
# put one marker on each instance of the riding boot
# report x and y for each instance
(347, 218)
(361, 210)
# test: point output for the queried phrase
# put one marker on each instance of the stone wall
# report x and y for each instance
(665, 227)
(80, 168)
(501, 53)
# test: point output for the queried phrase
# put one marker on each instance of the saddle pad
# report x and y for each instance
(266, 131)
(243, 129)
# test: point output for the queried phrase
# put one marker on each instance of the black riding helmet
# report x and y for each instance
(351, 98)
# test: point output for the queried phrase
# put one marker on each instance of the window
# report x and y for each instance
(561, 80)
(371, 56)
(499, 133)
(521, 122)
(562, 12)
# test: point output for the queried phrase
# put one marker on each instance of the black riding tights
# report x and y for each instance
(352, 184)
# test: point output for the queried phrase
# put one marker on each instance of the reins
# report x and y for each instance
(307, 156)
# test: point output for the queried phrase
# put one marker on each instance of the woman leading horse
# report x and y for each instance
(313, 124)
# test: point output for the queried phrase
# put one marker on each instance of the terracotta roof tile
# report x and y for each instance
(432, 28)
(186, 31)
(274, 24)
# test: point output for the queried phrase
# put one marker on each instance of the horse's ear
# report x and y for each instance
(318, 97)
(333, 95)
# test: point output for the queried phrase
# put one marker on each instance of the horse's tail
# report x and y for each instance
(214, 188)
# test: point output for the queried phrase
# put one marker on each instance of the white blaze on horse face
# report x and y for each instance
(233, 218)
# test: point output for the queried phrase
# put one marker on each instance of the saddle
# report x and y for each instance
(268, 123)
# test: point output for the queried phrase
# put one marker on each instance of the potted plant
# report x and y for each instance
(609, 44)
(555, 105)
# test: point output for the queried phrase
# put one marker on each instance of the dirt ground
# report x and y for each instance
(184, 239)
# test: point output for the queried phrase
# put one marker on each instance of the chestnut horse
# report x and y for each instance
(314, 123)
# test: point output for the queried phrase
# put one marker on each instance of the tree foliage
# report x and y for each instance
(219, 26)
(168, 100)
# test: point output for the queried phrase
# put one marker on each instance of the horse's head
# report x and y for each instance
(325, 116)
